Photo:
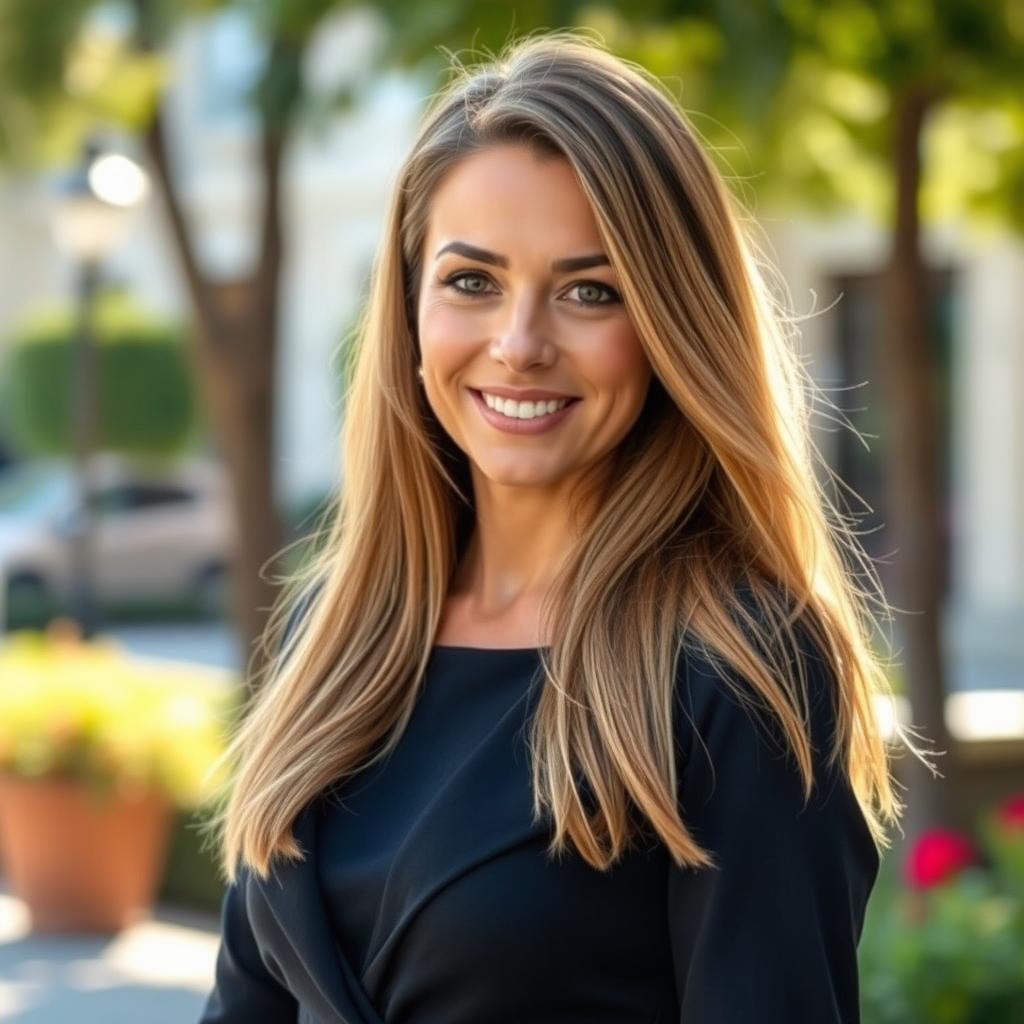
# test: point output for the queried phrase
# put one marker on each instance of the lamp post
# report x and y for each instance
(90, 216)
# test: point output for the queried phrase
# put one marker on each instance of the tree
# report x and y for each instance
(833, 100)
(60, 70)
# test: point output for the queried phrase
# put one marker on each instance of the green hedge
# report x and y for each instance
(146, 397)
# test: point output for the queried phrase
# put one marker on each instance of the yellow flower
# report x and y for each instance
(91, 711)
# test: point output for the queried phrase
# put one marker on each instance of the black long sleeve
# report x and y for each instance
(771, 935)
(427, 895)
(244, 989)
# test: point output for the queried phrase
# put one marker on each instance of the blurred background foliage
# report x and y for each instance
(90, 712)
(796, 94)
(148, 405)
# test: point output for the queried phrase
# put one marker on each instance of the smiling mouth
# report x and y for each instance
(497, 403)
(534, 424)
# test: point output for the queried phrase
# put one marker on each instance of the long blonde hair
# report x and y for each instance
(713, 495)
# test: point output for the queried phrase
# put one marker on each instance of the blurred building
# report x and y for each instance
(977, 309)
(337, 181)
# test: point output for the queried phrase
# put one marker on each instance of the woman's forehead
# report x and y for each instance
(510, 198)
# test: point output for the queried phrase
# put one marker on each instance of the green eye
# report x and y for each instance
(590, 293)
(477, 283)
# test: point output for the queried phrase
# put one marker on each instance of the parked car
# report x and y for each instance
(161, 536)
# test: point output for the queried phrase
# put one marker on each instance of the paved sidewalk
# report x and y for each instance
(158, 971)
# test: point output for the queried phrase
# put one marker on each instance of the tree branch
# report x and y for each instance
(202, 297)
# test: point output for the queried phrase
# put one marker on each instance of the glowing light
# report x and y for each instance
(117, 180)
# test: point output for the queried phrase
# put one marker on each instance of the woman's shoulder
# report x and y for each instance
(720, 714)
(739, 773)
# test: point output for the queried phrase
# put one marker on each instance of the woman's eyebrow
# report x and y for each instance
(473, 252)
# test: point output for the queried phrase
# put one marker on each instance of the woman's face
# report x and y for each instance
(517, 294)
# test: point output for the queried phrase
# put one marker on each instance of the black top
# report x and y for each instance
(427, 897)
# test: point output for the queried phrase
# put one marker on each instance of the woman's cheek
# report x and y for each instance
(618, 354)
(444, 328)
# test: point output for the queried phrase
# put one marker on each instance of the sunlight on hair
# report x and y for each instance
(713, 539)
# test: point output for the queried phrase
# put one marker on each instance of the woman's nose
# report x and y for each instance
(522, 337)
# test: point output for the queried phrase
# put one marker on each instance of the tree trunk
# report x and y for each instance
(912, 481)
(237, 375)
(235, 355)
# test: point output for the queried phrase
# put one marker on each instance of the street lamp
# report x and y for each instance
(91, 213)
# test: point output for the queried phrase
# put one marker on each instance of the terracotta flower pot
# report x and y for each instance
(79, 863)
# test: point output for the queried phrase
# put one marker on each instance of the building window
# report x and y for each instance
(860, 331)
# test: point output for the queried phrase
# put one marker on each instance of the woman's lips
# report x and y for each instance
(536, 425)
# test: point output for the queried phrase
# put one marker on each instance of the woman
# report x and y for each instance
(574, 719)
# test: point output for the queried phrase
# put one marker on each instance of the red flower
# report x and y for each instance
(938, 854)
(1011, 811)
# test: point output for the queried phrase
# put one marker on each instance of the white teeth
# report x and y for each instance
(523, 410)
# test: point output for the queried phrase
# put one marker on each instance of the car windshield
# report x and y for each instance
(34, 491)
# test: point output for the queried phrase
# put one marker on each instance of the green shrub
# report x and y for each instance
(146, 397)
(947, 945)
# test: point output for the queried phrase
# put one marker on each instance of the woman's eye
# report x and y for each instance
(468, 284)
(590, 293)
